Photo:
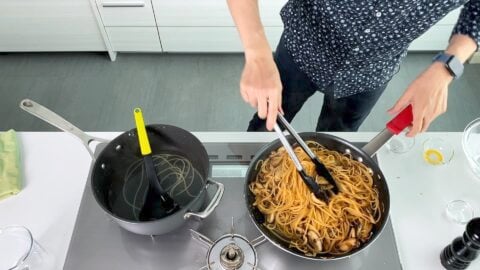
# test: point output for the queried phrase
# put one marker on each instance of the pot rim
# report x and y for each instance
(182, 210)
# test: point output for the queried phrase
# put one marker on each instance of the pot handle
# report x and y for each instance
(213, 203)
(56, 120)
(401, 121)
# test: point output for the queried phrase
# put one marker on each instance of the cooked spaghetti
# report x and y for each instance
(306, 223)
(176, 174)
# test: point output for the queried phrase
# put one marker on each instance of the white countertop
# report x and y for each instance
(56, 169)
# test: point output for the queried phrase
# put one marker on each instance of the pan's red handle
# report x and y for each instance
(401, 121)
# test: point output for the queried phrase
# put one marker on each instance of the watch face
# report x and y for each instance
(455, 66)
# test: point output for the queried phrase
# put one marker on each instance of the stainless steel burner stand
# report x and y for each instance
(233, 251)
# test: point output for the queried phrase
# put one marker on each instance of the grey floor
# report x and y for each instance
(198, 92)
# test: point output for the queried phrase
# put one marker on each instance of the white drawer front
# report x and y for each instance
(134, 39)
(270, 12)
(209, 39)
(126, 12)
(209, 12)
(435, 39)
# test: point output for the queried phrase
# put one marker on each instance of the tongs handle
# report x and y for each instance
(319, 167)
(309, 181)
(288, 147)
(297, 137)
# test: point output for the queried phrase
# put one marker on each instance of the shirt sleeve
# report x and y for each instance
(469, 21)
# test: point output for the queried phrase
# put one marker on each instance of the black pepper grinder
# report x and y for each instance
(464, 249)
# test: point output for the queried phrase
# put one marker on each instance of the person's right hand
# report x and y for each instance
(260, 86)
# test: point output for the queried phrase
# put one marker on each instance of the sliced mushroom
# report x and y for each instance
(327, 244)
(270, 218)
(321, 181)
(348, 244)
(359, 229)
(314, 240)
(352, 233)
(258, 186)
(365, 231)
(312, 235)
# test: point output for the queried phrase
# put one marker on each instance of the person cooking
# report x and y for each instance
(349, 50)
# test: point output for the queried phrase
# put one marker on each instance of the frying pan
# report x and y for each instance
(112, 163)
(340, 145)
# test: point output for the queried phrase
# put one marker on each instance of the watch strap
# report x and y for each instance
(452, 64)
(442, 57)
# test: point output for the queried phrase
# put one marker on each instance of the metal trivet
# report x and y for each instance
(231, 251)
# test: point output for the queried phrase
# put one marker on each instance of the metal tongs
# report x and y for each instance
(319, 167)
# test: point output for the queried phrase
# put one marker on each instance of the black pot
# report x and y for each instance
(111, 163)
(333, 143)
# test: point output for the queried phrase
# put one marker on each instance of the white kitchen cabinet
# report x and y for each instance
(437, 37)
(134, 39)
(126, 12)
(206, 26)
(270, 12)
(192, 39)
(48, 25)
(192, 13)
(223, 39)
(130, 25)
(451, 18)
(146, 25)
(210, 12)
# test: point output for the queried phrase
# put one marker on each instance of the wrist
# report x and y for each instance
(256, 46)
(462, 47)
(258, 54)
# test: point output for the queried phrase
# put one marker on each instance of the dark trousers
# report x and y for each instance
(342, 114)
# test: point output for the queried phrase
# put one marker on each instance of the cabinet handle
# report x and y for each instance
(123, 4)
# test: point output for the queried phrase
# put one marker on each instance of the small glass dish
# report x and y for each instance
(471, 145)
(20, 251)
(400, 143)
(437, 151)
(459, 211)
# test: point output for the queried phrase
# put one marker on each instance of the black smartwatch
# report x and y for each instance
(452, 64)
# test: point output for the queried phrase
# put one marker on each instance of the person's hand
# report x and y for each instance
(428, 95)
(260, 86)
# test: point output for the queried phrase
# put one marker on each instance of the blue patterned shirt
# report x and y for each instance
(357, 45)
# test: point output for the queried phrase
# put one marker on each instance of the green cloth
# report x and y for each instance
(10, 172)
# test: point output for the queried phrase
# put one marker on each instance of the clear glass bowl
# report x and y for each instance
(437, 151)
(471, 145)
(400, 144)
(19, 251)
(459, 211)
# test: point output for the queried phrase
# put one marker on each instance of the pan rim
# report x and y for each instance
(275, 144)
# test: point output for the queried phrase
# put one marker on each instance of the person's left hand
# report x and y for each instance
(428, 95)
